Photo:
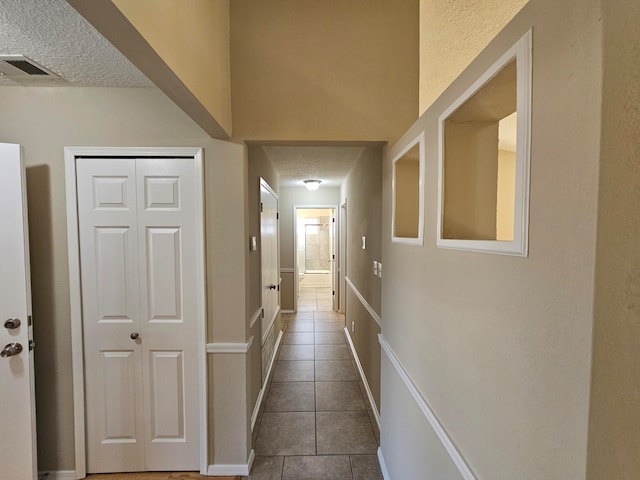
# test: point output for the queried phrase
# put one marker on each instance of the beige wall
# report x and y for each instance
(452, 34)
(362, 191)
(260, 166)
(44, 121)
(194, 42)
(614, 437)
(407, 197)
(183, 51)
(500, 346)
(324, 69)
(506, 194)
(290, 197)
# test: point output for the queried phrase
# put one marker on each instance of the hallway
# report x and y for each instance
(316, 422)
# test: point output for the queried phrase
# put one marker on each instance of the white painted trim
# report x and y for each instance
(75, 304)
(59, 475)
(287, 270)
(255, 317)
(271, 323)
(256, 407)
(201, 307)
(521, 51)
(364, 302)
(383, 465)
(232, 469)
(287, 311)
(464, 469)
(363, 377)
(228, 347)
(265, 184)
(419, 241)
(75, 295)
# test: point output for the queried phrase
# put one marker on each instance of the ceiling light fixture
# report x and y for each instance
(312, 184)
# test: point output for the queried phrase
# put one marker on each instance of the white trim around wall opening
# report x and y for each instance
(521, 53)
(71, 155)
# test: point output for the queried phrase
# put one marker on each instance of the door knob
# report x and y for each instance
(272, 287)
(10, 350)
(12, 323)
(134, 336)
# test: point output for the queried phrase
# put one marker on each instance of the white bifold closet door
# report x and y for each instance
(139, 283)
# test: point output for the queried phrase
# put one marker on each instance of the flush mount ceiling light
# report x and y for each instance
(312, 184)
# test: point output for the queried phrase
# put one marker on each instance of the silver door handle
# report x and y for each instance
(12, 323)
(10, 350)
(272, 287)
(134, 336)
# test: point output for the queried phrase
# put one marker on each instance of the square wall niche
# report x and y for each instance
(407, 222)
(484, 150)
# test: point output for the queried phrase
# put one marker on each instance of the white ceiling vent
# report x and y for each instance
(19, 67)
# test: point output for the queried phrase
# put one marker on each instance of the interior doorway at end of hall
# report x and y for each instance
(315, 236)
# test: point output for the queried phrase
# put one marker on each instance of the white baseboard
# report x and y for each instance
(58, 475)
(383, 466)
(372, 402)
(287, 311)
(256, 407)
(232, 469)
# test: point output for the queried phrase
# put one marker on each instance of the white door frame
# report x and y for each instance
(342, 258)
(70, 154)
(296, 270)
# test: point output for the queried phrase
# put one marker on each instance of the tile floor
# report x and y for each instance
(316, 421)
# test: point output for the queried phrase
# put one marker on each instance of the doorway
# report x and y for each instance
(315, 258)
(136, 253)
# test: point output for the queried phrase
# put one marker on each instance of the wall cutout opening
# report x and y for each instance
(408, 194)
(484, 160)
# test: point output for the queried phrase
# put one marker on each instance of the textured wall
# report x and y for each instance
(500, 346)
(362, 191)
(44, 121)
(614, 437)
(194, 42)
(324, 69)
(452, 33)
(259, 166)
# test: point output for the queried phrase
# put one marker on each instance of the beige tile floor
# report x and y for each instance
(315, 423)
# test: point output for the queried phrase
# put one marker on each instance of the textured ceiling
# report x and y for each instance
(53, 34)
(329, 164)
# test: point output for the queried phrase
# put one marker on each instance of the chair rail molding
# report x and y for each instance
(459, 462)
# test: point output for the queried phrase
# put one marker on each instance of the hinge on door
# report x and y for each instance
(278, 287)
(278, 216)
(333, 292)
(262, 313)
(333, 219)
(261, 207)
(333, 257)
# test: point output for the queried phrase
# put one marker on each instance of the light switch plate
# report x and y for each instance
(380, 269)
(375, 267)
(364, 243)
(253, 244)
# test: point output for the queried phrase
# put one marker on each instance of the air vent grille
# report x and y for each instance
(21, 67)
(26, 67)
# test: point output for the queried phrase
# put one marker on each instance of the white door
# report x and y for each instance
(139, 286)
(269, 256)
(17, 398)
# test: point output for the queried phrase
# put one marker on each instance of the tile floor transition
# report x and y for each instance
(315, 422)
